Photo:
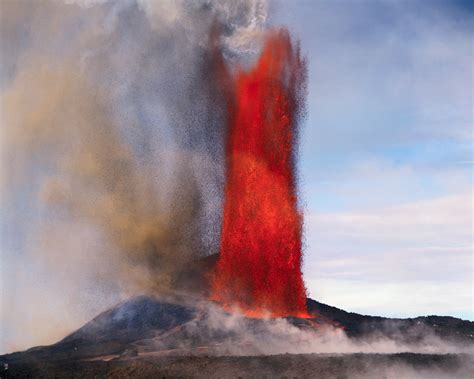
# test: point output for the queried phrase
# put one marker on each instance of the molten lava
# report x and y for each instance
(259, 268)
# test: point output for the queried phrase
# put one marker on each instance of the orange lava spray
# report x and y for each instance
(259, 268)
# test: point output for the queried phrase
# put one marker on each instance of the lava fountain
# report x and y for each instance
(259, 267)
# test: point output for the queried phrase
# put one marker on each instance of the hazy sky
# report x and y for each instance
(386, 154)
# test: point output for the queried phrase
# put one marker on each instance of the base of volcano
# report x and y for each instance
(187, 337)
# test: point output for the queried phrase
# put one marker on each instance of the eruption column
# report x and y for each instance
(259, 268)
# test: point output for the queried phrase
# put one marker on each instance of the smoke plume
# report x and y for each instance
(113, 119)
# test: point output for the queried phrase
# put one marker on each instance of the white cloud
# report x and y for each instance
(244, 20)
(402, 300)
(400, 260)
(438, 219)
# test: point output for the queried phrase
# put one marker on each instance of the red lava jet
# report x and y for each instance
(259, 268)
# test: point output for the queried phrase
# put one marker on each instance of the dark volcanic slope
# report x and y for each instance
(357, 325)
(145, 324)
(132, 320)
(113, 331)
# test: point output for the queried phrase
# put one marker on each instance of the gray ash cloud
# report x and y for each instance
(114, 121)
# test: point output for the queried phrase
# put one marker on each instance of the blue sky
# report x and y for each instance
(386, 154)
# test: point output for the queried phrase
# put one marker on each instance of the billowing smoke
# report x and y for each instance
(113, 127)
(234, 334)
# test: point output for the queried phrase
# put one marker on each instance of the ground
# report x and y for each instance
(403, 365)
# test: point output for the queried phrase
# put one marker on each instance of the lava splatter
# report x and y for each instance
(259, 269)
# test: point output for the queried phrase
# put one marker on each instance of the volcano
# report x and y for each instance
(173, 335)
(150, 337)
